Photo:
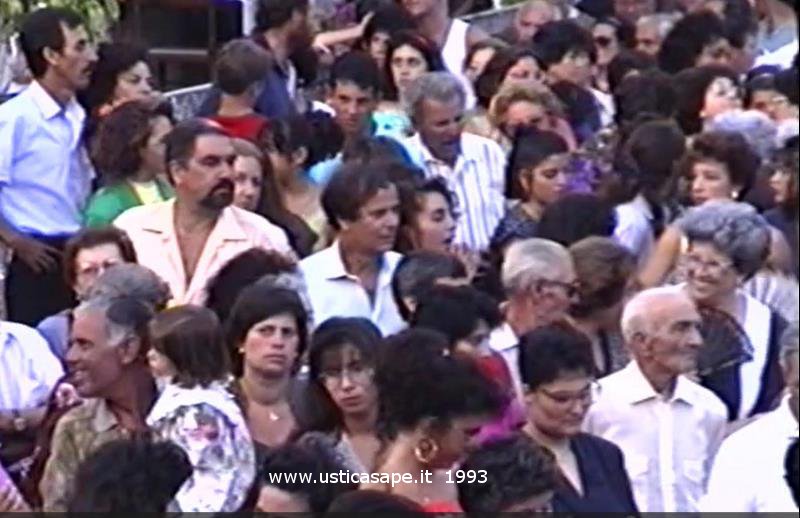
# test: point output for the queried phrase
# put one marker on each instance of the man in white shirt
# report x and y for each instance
(539, 280)
(668, 426)
(353, 277)
(748, 473)
(472, 166)
(28, 373)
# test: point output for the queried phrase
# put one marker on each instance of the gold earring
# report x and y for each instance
(426, 451)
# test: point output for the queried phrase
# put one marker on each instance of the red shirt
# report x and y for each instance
(248, 127)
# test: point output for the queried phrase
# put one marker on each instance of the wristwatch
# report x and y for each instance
(19, 422)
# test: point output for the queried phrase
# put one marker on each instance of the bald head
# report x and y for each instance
(649, 310)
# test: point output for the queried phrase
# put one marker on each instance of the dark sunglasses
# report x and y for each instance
(603, 41)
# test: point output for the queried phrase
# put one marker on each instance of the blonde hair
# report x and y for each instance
(513, 93)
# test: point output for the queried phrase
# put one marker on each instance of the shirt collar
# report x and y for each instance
(503, 338)
(639, 389)
(641, 204)
(103, 418)
(333, 266)
(50, 108)
(161, 220)
(427, 157)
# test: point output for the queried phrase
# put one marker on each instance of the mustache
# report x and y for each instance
(223, 185)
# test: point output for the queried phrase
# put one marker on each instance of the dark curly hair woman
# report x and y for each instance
(128, 152)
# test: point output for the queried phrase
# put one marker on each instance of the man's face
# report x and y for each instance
(528, 21)
(439, 125)
(93, 362)
(575, 67)
(375, 230)
(353, 106)
(73, 63)
(648, 39)
(299, 30)
(673, 338)
(207, 178)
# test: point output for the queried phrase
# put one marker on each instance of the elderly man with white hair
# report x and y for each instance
(473, 167)
(668, 426)
(529, 17)
(539, 279)
(748, 479)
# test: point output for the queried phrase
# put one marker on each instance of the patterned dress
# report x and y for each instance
(209, 426)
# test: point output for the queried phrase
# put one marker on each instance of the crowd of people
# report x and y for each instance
(408, 266)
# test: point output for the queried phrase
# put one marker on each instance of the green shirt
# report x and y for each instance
(111, 201)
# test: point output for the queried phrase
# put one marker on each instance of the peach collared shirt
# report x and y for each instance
(152, 231)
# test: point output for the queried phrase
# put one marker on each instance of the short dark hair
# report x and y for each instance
(649, 93)
(180, 142)
(240, 272)
(290, 459)
(740, 21)
(90, 238)
(42, 29)
(316, 132)
(116, 148)
(792, 469)
(411, 206)
(191, 338)
(603, 268)
(516, 468)
(417, 272)
(577, 216)
(429, 51)
(691, 85)
(626, 62)
(491, 79)
(687, 39)
(358, 68)
(350, 187)
(531, 147)
(654, 148)
(728, 148)
(556, 39)
(130, 475)
(551, 351)
(257, 303)
(389, 18)
(787, 82)
(113, 59)
(757, 83)
(276, 13)
(240, 64)
(371, 148)
(412, 388)
(331, 336)
(455, 311)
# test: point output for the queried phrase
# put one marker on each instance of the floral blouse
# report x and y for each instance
(209, 426)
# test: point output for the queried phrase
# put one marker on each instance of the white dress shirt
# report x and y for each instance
(28, 370)
(748, 473)
(334, 292)
(669, 445)
(633, 229)
(504, 341)
(477, 180)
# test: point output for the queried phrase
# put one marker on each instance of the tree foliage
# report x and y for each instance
(100, 15)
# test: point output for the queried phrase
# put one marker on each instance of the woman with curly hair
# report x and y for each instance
(128, 152)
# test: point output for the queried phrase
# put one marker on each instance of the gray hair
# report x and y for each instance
(436, 86)
(757, 129)
(134, 281)
(529, 260)
(735, 229)
(790, 343)
(640, 306)
(663, 22)
(124, 317)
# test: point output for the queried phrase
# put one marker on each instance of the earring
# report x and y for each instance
(735, 195)
(426, 451)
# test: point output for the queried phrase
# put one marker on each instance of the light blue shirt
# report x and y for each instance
(45, 174)
(336, 293)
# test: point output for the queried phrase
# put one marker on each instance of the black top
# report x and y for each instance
(606, 487)
(786, 222)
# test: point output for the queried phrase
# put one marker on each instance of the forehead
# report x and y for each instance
(385, 196)
(215, 145)
(88, 325)
(100, 251)
(140, 68)
(341, 354)
(352, 90)
(441, 109)
(73, 35)
(407, 51)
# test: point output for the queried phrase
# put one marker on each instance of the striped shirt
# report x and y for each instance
(477, 180)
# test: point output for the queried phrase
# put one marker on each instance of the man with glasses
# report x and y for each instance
(538, 277)
(669, 426)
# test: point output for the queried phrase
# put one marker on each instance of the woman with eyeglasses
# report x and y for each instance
(610, 36)
(557, 370)
(342, 362)
(727, 244)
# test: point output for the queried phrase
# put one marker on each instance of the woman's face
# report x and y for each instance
(377, 48)
(547, 182)
(525, 114)
(475, 345)
(710, 180)
(722, 95)
(575, 68)
(248, 179)
(134, 84)
(153, 152)
(710, 273)
(349, 381)
(783, 185)
(160, 366)
(456, 441)
(91, 262)
(558, 408)
(606, 42)
(716, 53)
(435, 225)
(478, 63)
(524, 72)
(407, 65)
(271, 346)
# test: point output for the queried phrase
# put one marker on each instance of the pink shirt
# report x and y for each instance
(152, 231)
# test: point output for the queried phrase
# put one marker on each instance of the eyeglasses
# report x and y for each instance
(548, 286)
(696, 263)
(585, 396)
(603, 41)
(356, 374)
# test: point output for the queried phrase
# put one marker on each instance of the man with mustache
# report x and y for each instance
(188, 239)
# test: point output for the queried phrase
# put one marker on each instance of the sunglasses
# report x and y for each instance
(603, 41)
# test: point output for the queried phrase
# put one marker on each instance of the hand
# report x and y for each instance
(66, 396)
(10, 498)
(38, 256)
(471, 259)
